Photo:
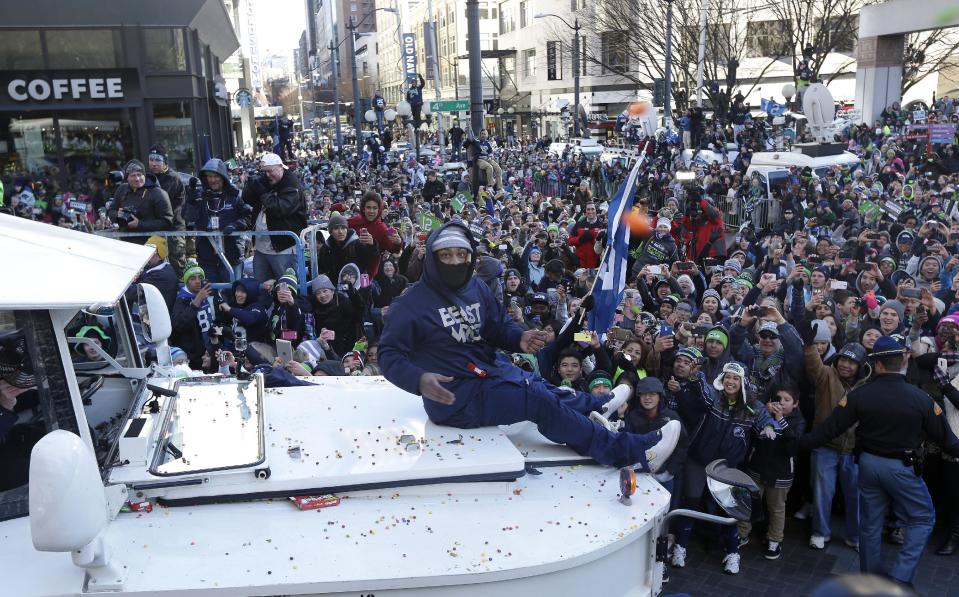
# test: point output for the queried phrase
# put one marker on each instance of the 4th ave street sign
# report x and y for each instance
(449, 105)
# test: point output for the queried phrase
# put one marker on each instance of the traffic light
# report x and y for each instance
(659, 92)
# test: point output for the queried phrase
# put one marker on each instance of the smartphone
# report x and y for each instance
(282, 286)
(687, 266)
(656, 270)
(942, 363)
(710, 262)
(582, 337)
(665, 330)
(620, 334)
(284, 350)
(762, 311)
(910, 293)
(839, 285)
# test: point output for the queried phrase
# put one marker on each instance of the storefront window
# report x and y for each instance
(83, 48)
(165, 50)
(93, 144)
(174, 129)
(20, 50)
(27, 144)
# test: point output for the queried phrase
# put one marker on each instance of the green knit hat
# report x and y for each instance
(289, 278)
(192, 269)
(719, 335)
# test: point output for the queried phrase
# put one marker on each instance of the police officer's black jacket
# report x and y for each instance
(893, 416)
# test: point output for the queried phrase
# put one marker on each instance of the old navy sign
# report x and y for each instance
(409, 54)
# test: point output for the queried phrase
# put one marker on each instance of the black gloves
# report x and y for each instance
(229, 229)
(807, 331)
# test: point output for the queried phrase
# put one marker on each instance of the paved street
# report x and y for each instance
(799, 569)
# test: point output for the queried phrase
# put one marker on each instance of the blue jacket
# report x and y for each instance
(431, 329)
(725, 431)
(212, 211)
(251, 315)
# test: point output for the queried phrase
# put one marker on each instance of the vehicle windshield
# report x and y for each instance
(23, 409)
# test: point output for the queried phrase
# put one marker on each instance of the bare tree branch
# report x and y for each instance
(926, 53)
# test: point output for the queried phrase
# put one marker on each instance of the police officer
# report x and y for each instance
(894, 418)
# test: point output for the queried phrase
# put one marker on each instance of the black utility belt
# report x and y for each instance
(910, 458)
(903, 455)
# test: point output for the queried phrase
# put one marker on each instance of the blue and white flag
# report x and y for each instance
(611, 275)
(772, 108)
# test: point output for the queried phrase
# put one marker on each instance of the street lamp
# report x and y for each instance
(575, 27)
(405, 110)
(356, 88)
(788, 91)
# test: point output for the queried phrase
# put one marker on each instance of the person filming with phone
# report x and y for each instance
(193, 316)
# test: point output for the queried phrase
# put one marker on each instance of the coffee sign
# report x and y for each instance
(40, 90)
(70, 89)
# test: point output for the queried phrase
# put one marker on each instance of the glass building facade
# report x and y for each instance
(77, 102)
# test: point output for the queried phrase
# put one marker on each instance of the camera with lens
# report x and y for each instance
(125, 216)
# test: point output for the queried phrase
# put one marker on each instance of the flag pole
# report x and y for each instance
(609, 244)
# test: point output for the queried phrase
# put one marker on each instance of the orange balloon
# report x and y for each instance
(639, 108)
(638, 222)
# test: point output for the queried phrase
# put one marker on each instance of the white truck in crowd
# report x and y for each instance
(145, 483)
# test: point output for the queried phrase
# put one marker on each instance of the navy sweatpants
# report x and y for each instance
(562, 417)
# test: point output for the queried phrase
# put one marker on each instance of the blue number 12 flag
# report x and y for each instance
(611, 276)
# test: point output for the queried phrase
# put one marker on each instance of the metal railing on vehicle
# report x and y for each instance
(298, 243)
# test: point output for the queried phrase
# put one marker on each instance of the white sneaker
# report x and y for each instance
(818, 542)
(731, 563)
(657, 455)
(804, 512)
(678, 558)
(604, 422)
(620, 396)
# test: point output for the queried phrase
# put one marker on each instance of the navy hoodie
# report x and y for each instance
(251, 315)
(432, 329)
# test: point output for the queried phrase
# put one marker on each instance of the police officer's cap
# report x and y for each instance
(887, 346)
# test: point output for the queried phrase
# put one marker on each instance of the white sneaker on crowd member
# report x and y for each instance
(657, 455)
(773, 550)
(818, 542)
(731, 563)
(850, 543)
(678, 558)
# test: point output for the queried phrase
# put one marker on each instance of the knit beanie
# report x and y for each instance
(336, 221)
(322, 281)
(718, 334)
(452, 237)
(822, 331)
(711, 292)
(192, 269)
(288, 278)
(896, 306)
(158, 151)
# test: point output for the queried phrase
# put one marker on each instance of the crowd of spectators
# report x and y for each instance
(746, 335)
